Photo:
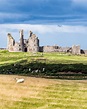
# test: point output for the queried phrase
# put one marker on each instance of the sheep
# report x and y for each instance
(43, 69)
(36, 71)
(29, 69)
(21, 80)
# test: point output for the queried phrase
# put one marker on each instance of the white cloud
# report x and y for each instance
(43, 28)
(48, 34)
(80, 2)
(39, 29)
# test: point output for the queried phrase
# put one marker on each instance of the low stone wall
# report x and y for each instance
(54, 49)
(50, 48)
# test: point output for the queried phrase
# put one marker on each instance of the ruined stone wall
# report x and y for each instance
(65, 49)
(33, 44)
(50, 49)
(76, 49)
(55, 49)
(17, 47)
(21, 41)
(27, 45)
(11, 43)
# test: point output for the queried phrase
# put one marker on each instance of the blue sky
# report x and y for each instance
(60, 22)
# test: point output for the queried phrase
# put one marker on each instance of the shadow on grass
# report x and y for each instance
(39, 69)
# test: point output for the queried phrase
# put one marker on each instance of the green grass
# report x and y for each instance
(41, 93)
(55, 57)
(38, 93)
(58, 65)
(50, 57)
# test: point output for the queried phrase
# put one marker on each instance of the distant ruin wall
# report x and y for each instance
(32, 45)
(76, 49)
(55, 49)
(49, 49)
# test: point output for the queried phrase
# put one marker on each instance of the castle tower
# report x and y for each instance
(33, 43)
(21, 40)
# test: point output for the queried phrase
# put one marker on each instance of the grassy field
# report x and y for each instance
(58, 65)
(40, 93)
(64, 58)
(69, 92)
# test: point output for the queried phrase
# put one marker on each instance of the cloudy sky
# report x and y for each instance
(60, 22)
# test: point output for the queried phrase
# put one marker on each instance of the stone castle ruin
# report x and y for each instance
(32, 45)
(24, 45)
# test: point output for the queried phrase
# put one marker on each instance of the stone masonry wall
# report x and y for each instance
(76, 49)
(33, 44)
(11, 43)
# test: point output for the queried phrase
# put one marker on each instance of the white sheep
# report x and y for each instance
(21, 80)
(43, 69)
(29, 69)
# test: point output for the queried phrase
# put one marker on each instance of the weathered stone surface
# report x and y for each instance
(21, 41)
(76, 49)
(55, 49)
(50, 48)
(17, 47)
(33, 45)
(11, 43)
(30, 45)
